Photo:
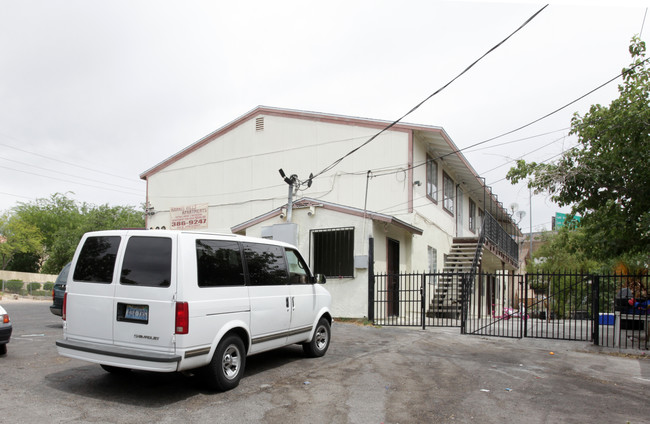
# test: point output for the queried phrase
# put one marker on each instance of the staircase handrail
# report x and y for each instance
(468, 280)
(495, 233)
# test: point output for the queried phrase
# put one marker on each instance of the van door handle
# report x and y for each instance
(293, 303)
(286, 299)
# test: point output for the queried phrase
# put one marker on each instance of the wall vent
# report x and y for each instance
(259, 124)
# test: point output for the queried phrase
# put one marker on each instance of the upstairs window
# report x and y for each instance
(472, 216)
(448, 193)
(334, 252)
(432, 179)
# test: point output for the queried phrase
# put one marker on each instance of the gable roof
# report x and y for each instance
(306, 202)
(297, 114)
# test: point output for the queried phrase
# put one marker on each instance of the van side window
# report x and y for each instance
(219, 263)
(297, 268)
(96, 261)
(147, 262)
(266, 264)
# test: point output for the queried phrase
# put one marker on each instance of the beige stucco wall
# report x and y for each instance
(238, 186)
(27, 277)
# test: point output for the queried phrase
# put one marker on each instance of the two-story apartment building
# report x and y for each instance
(409, 189)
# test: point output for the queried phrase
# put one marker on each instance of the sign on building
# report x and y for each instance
(191, 217)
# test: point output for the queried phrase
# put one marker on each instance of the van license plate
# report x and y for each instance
(137, 313)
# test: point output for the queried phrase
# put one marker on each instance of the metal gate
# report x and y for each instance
(608, 310)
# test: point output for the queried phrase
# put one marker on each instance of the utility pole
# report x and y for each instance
(291, 181)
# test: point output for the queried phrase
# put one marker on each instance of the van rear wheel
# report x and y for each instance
(227, 365)
(321, 340)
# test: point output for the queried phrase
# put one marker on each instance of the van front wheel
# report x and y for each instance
(227, 365)
(321, 340)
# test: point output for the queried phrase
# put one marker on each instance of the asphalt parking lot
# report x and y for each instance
(369, 375)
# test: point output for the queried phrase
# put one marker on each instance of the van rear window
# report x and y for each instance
(147, 262)
(219, 263)
(96, 261)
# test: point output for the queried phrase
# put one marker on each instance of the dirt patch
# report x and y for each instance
(641, 356)
(16, 298)
(356, 321)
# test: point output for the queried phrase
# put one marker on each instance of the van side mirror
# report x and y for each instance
(319, 279)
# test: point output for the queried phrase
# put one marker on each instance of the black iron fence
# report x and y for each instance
(608, 310)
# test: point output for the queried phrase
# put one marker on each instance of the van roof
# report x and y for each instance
(162, 233)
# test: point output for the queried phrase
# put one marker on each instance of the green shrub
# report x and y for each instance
(32, 287)
(48, 287)
(14, 286)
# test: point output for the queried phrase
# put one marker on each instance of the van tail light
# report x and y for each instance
(52, 295)
(182, 318)
(65, 304)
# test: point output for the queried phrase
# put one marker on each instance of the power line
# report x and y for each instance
(527, 153)
(16, 195)
(64, 173)
(60, 160)
(532, 122)
(68, 181)
(518, 140)
(336, 162)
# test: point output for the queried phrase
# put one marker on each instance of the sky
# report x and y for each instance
(94, 93)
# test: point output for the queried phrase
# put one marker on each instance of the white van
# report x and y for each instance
(175, 301)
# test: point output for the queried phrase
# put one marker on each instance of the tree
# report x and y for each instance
(606, 178)
(60, 222)
(17, 236)
(25, 262)
(564, 251)
(91, 219)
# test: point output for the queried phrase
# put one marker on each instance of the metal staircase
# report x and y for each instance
(463, 260)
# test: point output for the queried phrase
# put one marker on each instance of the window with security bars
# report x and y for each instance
(334, 252)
